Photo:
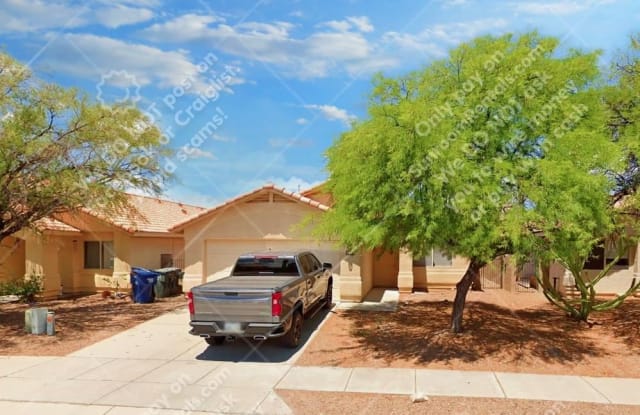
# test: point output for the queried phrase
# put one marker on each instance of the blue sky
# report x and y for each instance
(258, 90)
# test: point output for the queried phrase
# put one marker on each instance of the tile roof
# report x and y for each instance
(150, 214)
(51, 224)
(246, 196)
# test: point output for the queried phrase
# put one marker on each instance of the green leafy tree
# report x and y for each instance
(613, 203)
(60, 152)
(469, 154)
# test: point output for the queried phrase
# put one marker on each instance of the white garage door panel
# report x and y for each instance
(221, 254)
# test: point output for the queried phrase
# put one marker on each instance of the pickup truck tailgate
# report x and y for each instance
(237, 298)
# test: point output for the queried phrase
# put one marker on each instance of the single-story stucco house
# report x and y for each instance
(270, 217)
(87, 252)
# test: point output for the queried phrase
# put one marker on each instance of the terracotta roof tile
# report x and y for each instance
(151, 214)
(51, 224)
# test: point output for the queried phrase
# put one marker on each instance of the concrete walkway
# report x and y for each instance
(157, 368)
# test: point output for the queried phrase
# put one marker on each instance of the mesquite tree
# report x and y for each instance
(450, 155)
(616, 230)
(59, 152)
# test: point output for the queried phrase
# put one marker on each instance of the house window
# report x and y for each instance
(98, 255)
(436, 258)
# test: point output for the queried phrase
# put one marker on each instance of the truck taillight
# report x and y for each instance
(190, 303)
(276, 304)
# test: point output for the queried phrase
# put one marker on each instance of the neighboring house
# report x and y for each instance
(85, 252)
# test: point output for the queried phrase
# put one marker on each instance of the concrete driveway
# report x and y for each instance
(153, 368)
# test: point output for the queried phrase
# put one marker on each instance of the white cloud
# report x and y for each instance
(297, 13)
(337, 25)
(332, 113)
(147, 64)
(302, 121)
(35, 15)
(90, 56)
(436, 39)
(38, 15)
(312, 56)
(120, 15)
(554, 8)
(361, 23)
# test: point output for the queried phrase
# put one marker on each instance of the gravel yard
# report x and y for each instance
(79, 323)
(330, 403)
(510, 332)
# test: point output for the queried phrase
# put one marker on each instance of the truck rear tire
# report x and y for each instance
(215, 340)
(292, 338)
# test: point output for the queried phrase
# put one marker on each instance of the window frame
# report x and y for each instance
(103, 256)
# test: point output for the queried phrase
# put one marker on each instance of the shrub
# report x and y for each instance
(25, 288)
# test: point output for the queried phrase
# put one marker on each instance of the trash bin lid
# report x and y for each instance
(143, 272)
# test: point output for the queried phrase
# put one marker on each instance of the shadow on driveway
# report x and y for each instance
(269, 351)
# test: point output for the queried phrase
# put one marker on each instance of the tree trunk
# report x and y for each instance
(462, 287)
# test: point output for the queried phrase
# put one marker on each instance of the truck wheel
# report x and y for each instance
(215, 340)
(292, 338)
(328, 297)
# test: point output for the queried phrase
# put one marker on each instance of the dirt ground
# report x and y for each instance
(511, 332)
(79, 323)
(339, 403)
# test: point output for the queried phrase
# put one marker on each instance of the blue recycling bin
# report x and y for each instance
(142, 283)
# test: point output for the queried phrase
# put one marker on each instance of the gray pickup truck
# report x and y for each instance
(267, 295)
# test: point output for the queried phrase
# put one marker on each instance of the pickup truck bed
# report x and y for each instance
(261, 305)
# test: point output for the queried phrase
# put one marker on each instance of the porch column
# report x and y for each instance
(41, 259)
(355, 276)
(405, 271)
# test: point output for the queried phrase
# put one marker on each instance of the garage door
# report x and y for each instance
(220, 255)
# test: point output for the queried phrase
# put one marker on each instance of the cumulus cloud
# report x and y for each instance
(336, 46)
(436, 39)
(120, 15)
(38, 15)
(90, 56)
(332, 113)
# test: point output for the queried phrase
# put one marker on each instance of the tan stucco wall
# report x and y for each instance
(146, 251)
(440, 276)
(275, 221)
(12, 264)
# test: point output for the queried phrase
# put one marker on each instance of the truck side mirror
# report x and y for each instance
(327, 266)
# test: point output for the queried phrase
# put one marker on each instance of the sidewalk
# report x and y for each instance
(157, 368)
